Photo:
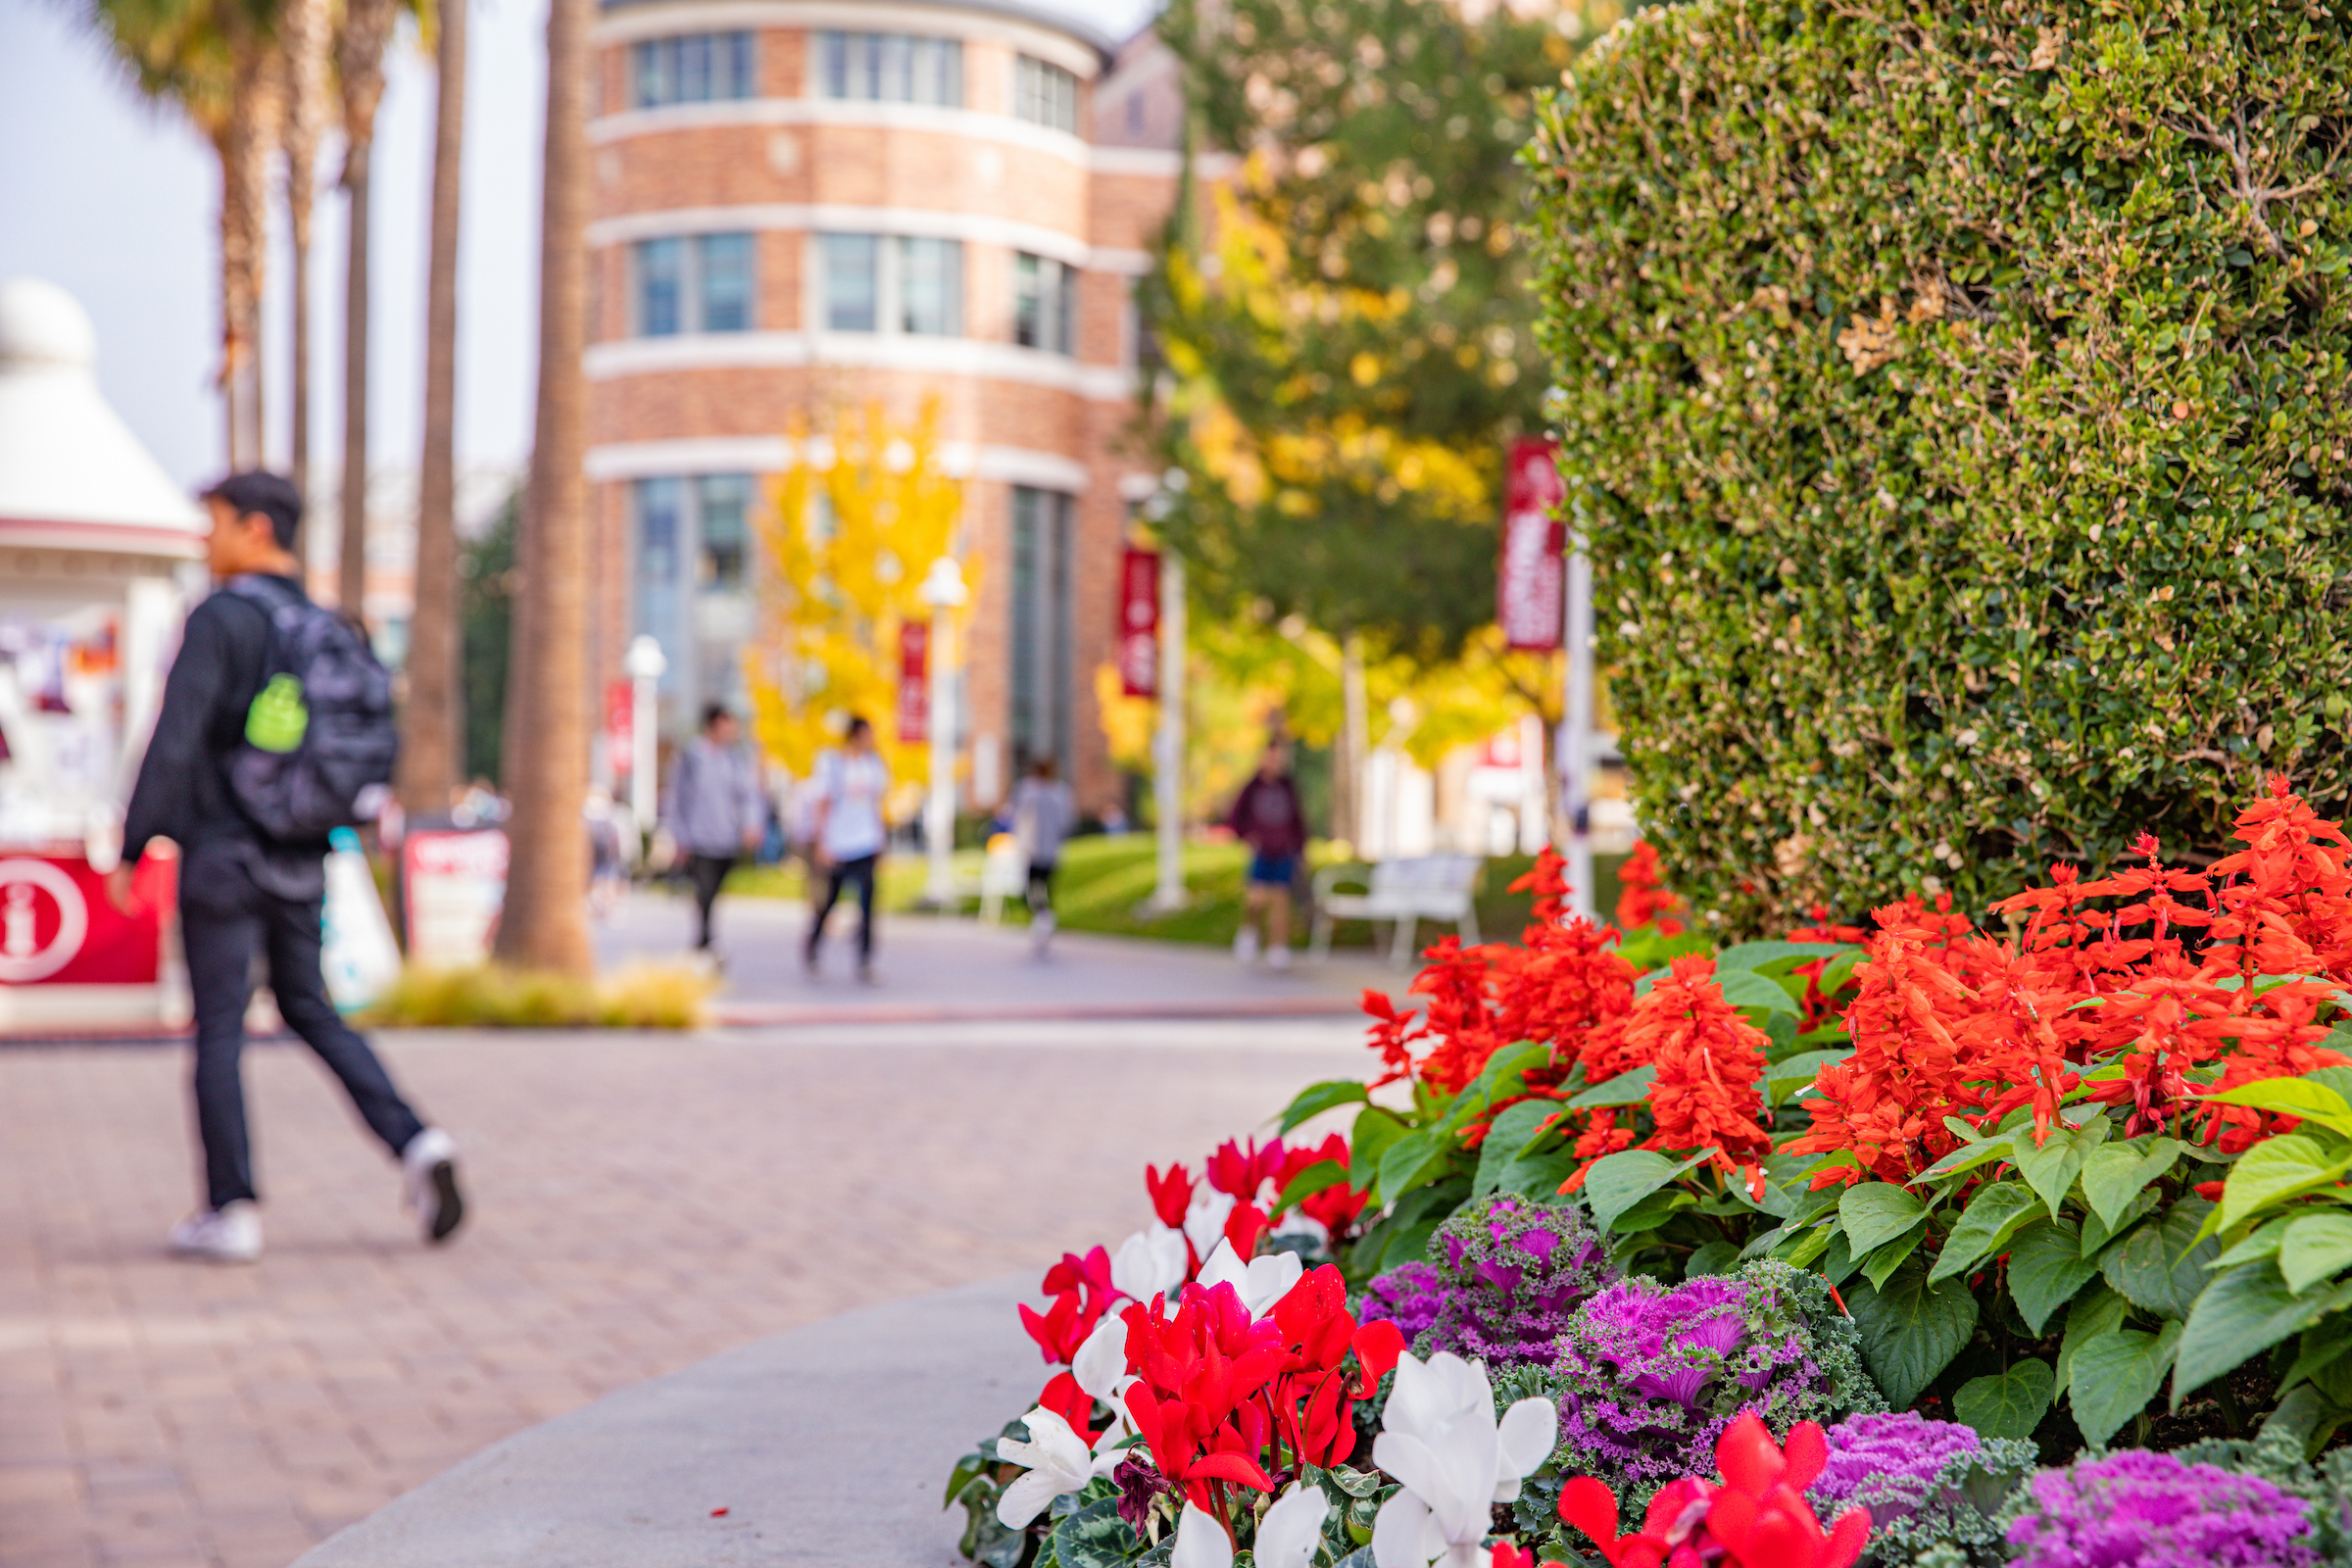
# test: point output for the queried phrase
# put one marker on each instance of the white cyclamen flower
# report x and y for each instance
(1440, 1440)
(1205, 1220)
(1148, 1263)
(1100, 1370)
(1057, 1460)
(1259, 1283)
(1287, 1537)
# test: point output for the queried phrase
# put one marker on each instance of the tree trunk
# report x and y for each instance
(360, 45)
(245, 139)
(1347, 768)
(428, 749)
(301, 31)
(545, 924)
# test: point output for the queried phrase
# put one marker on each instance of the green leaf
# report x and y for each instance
(2297, 1097)
(2114, 1175)
(2314, 1248)
(1889, 1258)
(2242, 1313)
(1316, 1098)
(1094, 1537)
(1321, 1174)
(1876, 1212)
(2008, 1404)
(2278, 1169)
(2051, 1170)
(2262, 1243)
(1499, 1079)
(1784, 1079)
(1996, 1213)
(1969, 1156)
(1413, 1160)
(1507, 1137)
(1540, 1175)
(1744, 988)
(1716, 1258)
(1911, 1330)
(1375, 1129)
(1626, 1089)
(1758, 955)
(2116, 1375)
(2096, 1312)
(2096, 1235)
(2160, 1266)
(1616, 1184)
(2046, 1267)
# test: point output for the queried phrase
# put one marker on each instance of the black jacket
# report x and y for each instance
(183, 791)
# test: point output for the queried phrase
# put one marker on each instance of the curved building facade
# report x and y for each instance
(804, 207)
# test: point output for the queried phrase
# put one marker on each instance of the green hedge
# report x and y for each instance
(1965, 451)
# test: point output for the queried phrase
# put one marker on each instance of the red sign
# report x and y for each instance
(59, 928)
(1139, 624)
(914, 687)
(453, 885)
(620, 715)
(1529, 584)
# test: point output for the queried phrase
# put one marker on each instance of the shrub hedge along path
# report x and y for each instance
(1956, 397)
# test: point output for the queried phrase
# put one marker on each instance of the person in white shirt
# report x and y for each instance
(848, 834)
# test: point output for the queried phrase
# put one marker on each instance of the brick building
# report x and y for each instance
(805, 206)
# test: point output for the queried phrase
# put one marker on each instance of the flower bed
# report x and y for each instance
(1862, 1244)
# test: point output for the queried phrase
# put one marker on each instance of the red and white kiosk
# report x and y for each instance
(99, 555)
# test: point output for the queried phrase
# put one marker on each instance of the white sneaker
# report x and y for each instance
(229, 1235)
(1278, 958)
(1244, 944)
(429, 1169)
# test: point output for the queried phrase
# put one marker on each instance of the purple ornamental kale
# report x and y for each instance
(1408, 1296)
(2137, 1510)
(1509, 1274)
(1901, 1457)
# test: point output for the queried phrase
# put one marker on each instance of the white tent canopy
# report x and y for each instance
(71, 475)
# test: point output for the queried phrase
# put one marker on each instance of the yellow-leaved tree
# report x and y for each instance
(858, 519)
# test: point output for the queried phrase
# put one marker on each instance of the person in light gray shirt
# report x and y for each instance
(714, 813)
(1042, 812)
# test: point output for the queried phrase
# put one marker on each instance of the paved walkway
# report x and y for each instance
(642, 1202)
(939, 969)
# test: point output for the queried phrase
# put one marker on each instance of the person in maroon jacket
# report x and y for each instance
(1268, 819)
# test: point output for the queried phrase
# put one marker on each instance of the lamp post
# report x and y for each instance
(1167, 746)
(943, 591)
(1576, 727)
(645, 666)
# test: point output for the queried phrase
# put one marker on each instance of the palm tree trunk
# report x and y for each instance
(428, 751)
(545, 920)
(360, 44)
(246, 136)
(301, 31)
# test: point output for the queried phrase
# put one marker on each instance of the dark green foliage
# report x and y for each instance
(1957, 395)
(1400, 312)
(485, 626)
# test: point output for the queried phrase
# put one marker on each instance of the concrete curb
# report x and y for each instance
(827, 1445)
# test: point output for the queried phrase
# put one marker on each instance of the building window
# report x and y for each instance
(874, 283)
(692, 580)
(698, 283)
(1041, 627)
(1045, 295)
(1045, 93)
(693, 69)
(891, 67)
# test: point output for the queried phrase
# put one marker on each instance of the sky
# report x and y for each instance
(116, 201)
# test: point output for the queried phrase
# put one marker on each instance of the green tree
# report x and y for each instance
(1350, 329)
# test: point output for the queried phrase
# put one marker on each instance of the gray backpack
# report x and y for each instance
(321, 730)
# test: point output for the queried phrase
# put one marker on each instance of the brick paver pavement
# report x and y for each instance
(641, 1203)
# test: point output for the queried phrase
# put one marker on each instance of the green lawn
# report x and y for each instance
(1104, 882)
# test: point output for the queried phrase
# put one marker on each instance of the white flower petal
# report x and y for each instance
(1396, 1533)
(1026, 1498)
(1148, 1263)
(1199, 1541)
(1223, 1267)
(1292, 1529)
(1268, 1279)
(1204, 1221)
(1103, 1359)
(1530, 1430)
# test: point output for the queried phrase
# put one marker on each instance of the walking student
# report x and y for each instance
(847, 835)
(716, 814)
(1267, 819)
(245, 893)
(1043, 811)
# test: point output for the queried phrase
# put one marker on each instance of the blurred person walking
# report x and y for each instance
(847, 835)
(1268, 817)
(1042, 811)
(244, 891)
(716, 813)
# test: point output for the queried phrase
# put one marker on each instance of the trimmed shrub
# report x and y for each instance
(1957, 398)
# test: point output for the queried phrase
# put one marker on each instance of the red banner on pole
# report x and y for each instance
(1139, 624)
(915, 685)
(1529, 584)
(621, 722)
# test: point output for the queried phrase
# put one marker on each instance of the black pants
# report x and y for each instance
(706, 872)
(1041, 886)
(224, 921)
(861, 872)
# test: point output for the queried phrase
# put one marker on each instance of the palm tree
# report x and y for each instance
(545, 920)
(359, 46)
(216, 61)
(303, 29)
(429, 751)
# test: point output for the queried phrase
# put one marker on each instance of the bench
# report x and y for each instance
(1430, 887)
